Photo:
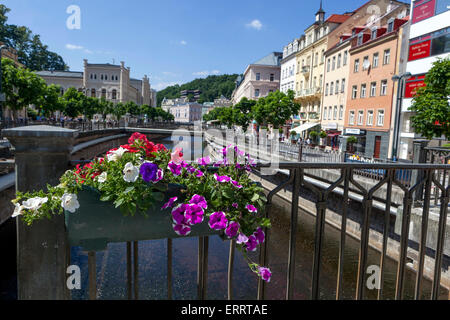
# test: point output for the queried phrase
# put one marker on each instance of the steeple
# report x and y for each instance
(320, 15)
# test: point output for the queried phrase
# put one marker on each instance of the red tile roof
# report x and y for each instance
(338, 18)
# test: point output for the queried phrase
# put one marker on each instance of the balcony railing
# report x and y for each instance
(309, 92)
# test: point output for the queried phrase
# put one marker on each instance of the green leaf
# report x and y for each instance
(255, 197)
(129, 189)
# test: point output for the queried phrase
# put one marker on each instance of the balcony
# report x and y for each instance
(309, 94)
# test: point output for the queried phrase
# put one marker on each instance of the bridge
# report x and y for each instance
(42, 154)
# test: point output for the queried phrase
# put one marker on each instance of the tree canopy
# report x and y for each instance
(30, 50)
(211, 87)
(431, 103)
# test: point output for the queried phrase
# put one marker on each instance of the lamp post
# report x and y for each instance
(398, 109)
(2, 97)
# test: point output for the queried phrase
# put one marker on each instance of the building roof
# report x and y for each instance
(62, 74)
(103, 65)
(272, 59)
(338, 18)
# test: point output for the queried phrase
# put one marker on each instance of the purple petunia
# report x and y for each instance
(174, 168)
(148, 171)
(178, 214)
(232, 229)
(199, 173)
(251, 208)
(242, 238)
(235, 205)
(259, 235)
(194, 214)
(222, 179)
(204, 161)
(170, 203)
(251, 243)
(190, 169)
(265, 273)
(199, 200)
(218, 221)
(181, 229)
(236, 184)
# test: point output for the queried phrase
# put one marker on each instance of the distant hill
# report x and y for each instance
(211, 87)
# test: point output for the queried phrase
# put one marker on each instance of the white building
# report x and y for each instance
(288, 66)
(109, 81)
(187, 112)
(429, 39)
(166, 104)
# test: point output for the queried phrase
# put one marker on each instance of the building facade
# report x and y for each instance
(188, 112)
(429, 39)
(289, 66)
(112, 82)
(370, 93)
(259, 78)
(166, 104)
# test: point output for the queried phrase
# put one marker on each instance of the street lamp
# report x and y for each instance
(2, 97)
(400, 88)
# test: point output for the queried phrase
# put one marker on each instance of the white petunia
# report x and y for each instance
(34, 204)
(102, 178)
(70, 202)
(116, 155)
(18, 210)
(130, 172)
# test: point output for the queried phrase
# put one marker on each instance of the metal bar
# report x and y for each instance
(169, 269)
(136, 269)
(230, 269)
(205, 266)
(293, 233)
(440, 244)
(200, 268)
(346, 173)
(92, 276)
(321, 206)
(387, 220)
(364, 247)
(423, 236)
(129, 275)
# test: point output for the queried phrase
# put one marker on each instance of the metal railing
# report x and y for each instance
(424, 179)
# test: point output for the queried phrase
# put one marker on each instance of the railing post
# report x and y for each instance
(42, 154)
(420, 156)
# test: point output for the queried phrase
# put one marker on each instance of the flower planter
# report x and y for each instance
(98, 223)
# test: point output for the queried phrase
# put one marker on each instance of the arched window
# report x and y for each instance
(101, 77)
(104, 93)
(106, 77)
(93, 93)
(114, 94)
(95, 76)
(92, 76)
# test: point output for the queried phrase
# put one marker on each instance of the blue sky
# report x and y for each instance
(172, 41)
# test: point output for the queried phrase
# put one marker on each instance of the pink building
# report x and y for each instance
(259, 79)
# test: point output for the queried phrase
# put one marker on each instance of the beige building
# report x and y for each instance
(166, 104)
(259, 78)
(112, 82)
(188, 112)
(310, 60)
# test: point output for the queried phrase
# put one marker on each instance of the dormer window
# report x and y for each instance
(374, 34)
(390, 27)
(360, 39)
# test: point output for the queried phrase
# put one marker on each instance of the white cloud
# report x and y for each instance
(162, 85)
(183, 42)
(74, 47)
(255, 24)
(205, 73)
(88, 51)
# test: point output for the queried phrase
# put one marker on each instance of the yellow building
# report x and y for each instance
(310, 61)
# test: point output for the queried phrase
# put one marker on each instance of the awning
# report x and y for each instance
(305, 127)
(334, 134)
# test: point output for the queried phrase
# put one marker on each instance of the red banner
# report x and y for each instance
(420, 50)
(423, 10)
(411, 88)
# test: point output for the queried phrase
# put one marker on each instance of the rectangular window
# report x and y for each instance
(390, 27)
(374, 34)
(341, 112)
(331, 88)
(339, 60)
(272, 77)
(333, 65)
(258, 76)
(256, 92)
(380, 121)
(366, 63)
(325, 109)
(335, 113)
(343, 86)
(373, 89)
(330, 110)
(354, 92)
(351, 119)
(337, 87)
(387, 56)
(328, 65)
(360, 117)
(363, 91)
(356, 69)
(326, 89)
(344, 61)
(360, 39)
(375, 60)
(370, 118)
(383, 91)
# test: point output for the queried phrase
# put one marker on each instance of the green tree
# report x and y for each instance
(276, 108)
(21, 86)
(119, 111)
(242, 113)
(431, 103)
(74, 103)
(50, 101)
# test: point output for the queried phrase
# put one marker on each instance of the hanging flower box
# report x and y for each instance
(98, 223)
(142, 191)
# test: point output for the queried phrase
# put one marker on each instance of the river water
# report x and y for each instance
(111, 266)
